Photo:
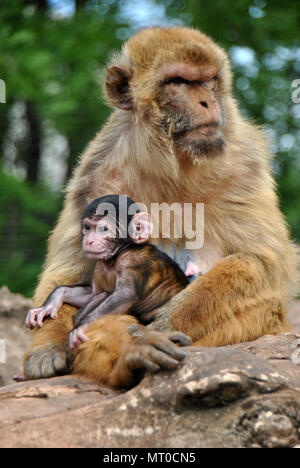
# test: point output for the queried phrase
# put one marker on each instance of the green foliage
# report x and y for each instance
(26, 216)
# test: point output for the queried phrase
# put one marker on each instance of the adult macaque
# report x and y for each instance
(176, 135)
(130, 276)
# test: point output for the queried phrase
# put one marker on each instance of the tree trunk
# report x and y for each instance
(33, 156)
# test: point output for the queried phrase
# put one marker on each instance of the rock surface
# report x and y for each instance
(294, 316)
(246, 395)
(13, 310)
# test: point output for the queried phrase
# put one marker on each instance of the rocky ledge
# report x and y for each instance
(246, 395)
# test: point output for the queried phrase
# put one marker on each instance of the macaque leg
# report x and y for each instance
(232, 303)
(269, 317)
(49, 354)
(107, 337)
(87, 308)
(119, 350)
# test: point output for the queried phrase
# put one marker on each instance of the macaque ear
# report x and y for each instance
(141, 228)
(118, 87)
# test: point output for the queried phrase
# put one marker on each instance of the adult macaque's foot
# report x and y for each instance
(19, 378)
(47, 360)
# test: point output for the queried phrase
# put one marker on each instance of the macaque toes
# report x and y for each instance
(176, 137)
(130, 276)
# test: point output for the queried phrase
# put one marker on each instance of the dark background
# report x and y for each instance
(51, 56)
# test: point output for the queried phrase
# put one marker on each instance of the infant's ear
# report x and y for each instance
(141, 228)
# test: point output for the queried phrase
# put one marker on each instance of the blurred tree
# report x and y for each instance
(26, 216)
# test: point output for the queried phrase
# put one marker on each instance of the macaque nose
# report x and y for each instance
(90, 239)
(210, 109)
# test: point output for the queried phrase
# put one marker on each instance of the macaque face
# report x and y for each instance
(102, 238)
(191, 102)
(188, 79)
(99, 239)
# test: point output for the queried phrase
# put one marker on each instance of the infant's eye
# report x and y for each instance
(87, 227)
(103, 228)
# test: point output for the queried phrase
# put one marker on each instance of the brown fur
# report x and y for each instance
(242, 297)
(143, 269)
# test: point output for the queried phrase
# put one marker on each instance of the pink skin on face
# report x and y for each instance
(98, 236)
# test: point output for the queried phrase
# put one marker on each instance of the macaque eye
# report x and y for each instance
(87, 227)
(177, 80)
(103, 228)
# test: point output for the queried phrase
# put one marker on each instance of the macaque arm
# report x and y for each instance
(66, 263)
(118, 303)
(73, 295)
(89, 306)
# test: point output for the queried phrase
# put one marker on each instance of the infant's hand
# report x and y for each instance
(35, 317)
(77, 336)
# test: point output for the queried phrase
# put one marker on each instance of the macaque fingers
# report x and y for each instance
(19, 378)
(77, 336)
(148, 358)
(172, 350)
(164, 359)
(35, 317)
(137, 360)
(30, 321)
(160, 347)
(179, 338)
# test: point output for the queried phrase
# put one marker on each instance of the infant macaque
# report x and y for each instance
(131, 276)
